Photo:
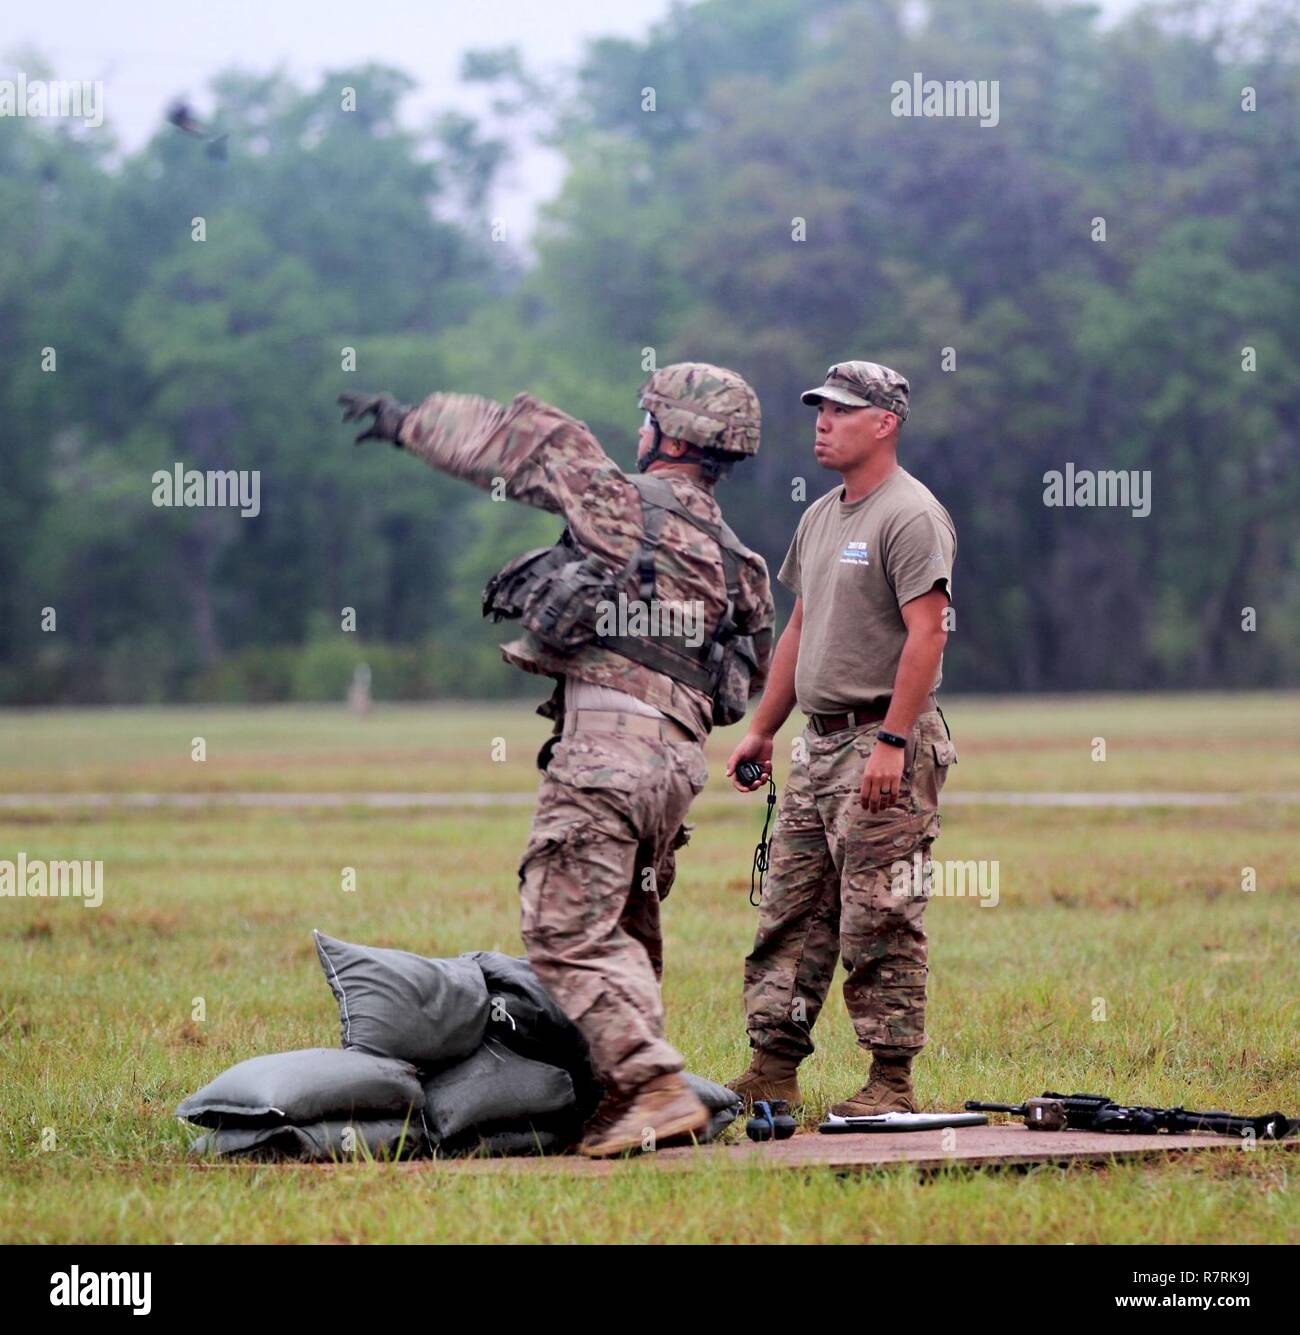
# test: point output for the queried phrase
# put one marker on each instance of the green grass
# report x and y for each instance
(1239, 1198)
(1246, 742)
(1140, 908)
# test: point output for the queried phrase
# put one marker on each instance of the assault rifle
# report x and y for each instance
(1095, 1112)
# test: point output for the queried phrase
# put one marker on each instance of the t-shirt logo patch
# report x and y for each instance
(855, 554)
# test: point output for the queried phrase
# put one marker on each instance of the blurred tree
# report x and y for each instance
(738, 189)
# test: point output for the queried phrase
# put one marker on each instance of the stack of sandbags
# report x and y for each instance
(439, 1056)
(318, 1103)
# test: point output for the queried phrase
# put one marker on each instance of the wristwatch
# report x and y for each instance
(890, 738)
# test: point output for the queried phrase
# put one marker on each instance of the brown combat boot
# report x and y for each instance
(661, 1109)
(770, 1076)
(889, 1089)
(608, 1111)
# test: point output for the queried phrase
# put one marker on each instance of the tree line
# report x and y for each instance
(1103, 281)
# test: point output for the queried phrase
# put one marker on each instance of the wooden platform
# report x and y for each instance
(1002, 1146)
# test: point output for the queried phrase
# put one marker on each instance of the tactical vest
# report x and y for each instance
(556, 593)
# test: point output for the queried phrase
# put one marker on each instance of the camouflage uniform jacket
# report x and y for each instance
(547, 459)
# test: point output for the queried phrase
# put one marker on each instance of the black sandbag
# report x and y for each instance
(320, 1142)
(304, 1087)
(549, 1135)
(723, 1104)
(393, 1003)
(495, 1085)
(528, 1020)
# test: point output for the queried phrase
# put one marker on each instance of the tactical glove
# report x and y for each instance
(389, 415)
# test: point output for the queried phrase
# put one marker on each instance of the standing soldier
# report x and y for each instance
(871, 570)
(632, 708)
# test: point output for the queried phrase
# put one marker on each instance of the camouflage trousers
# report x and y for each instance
(600, 859)
(831, 891)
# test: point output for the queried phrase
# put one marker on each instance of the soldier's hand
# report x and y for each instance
(388, 415)
(756, 747)
(882, 778)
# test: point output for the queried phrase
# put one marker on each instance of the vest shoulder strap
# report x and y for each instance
(657, 497)
(658, 492)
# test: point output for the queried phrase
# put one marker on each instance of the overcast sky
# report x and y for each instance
(147, 52)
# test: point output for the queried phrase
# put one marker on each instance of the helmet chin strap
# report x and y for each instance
(643, 463)
(712, 465)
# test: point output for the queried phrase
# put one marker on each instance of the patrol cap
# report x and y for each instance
(863, 385)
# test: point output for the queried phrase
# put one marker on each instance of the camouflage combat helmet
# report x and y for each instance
(708, 406)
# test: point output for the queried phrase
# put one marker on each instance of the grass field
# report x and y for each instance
(1140, 909)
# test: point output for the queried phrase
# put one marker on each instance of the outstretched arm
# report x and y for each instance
(533, 452)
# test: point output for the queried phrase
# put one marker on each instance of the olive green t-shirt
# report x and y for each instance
(855, 566)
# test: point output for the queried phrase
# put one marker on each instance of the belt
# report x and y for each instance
(874, 712)
(635, 725)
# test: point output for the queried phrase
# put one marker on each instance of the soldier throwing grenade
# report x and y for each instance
(625, 765)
